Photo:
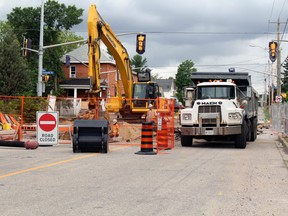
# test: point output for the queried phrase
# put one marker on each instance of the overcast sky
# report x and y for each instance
(214, 34)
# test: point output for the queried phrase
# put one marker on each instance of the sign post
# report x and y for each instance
(47, 128)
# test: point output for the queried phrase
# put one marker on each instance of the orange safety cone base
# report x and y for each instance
(146, 153)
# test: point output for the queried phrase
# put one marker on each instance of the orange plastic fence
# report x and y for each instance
(23, 115)
(165, 126)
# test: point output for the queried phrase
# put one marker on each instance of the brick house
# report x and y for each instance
(77, 82)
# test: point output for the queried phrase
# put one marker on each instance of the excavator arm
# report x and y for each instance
(137, 96)
(94, 56)
(99, 30)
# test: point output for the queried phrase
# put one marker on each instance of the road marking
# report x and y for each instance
(55, 163)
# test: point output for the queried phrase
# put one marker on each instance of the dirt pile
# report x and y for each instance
(129, 132)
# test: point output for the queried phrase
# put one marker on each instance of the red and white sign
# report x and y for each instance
(47, 128)
(47, 122)
(278, 99)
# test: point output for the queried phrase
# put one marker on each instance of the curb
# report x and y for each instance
(283, 141)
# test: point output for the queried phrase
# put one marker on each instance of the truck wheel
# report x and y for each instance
(240, 140)
(254, 130)
(249, 130)
(186, 140)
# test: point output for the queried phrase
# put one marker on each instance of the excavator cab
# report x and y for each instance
(144, 93)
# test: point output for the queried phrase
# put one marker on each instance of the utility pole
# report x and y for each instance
(278, 60)
(272, 85)
(265, 95)
(269, 89)
(40, 52)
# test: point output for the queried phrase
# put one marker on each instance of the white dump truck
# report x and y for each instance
(219, 106)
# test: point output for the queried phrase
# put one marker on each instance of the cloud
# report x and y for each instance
(210, 33)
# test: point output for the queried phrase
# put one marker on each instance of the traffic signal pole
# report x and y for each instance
(278, 60)
(40, 87)
(40, 52)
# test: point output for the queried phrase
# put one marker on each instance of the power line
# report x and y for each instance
(271, 13)
(284, 29)
(282, 7)
(202, 33)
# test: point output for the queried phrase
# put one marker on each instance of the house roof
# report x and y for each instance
(80, 82)
(81, 55)
(76, 81)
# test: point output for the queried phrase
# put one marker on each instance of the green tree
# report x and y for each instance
(284, 86)
(57, 18)
(14, 75)
(183, 77)
(138, 63)
(68, 36)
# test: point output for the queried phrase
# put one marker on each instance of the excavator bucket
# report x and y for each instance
(90, 136)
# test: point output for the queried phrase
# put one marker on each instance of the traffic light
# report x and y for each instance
(273, 51)
(140, 44)
(45, 78)
(67, 63)
(26, 46)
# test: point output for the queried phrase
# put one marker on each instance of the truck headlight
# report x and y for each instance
(187, 116)
(235, 116)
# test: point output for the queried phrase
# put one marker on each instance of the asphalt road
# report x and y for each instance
(206, 179)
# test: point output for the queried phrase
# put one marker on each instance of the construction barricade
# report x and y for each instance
(18, 119)
(165, 125)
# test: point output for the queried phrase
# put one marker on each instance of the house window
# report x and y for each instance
(73, 72)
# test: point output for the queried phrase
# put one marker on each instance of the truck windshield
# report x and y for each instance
(217, 92)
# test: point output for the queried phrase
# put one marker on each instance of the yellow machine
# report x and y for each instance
(137, 95)
(92, 135)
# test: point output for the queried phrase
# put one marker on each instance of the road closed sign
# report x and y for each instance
(47, 128)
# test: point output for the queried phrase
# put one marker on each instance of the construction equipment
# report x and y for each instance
(137, 95)
(220, 106)
(91, 135)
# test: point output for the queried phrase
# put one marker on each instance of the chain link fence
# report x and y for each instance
(279, 117)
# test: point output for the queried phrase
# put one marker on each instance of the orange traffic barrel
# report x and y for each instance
(146, 139)
(162, 137)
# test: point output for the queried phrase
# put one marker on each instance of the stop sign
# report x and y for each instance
(47, 122)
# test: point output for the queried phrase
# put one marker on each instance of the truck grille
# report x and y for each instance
(210, 109)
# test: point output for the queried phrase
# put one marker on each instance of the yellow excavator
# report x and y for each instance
(92, 135)
(137, 95)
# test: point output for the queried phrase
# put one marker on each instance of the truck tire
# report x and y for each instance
(186, 140)
(254, 130)
(249, 130)
(240, 140)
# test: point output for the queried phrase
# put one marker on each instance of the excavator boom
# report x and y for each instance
(137, 94)
(94, 54)
(99, 30)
